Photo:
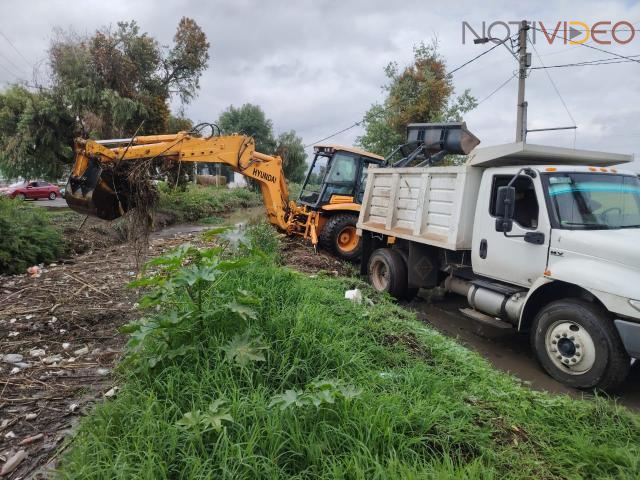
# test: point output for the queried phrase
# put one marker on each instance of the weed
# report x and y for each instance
(321, 387)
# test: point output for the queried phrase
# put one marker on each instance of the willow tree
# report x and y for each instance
(109, 84)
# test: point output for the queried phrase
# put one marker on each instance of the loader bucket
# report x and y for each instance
(452, 137)
(99, 192)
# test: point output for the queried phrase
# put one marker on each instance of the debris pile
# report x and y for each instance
(60, 342)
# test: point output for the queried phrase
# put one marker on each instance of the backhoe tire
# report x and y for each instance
(388, 272)
(576, 342)
(339, 236)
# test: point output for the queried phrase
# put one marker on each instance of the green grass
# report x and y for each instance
(428, 408)
(27, 237)
(197, 201)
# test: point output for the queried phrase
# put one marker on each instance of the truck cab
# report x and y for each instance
(540, 239)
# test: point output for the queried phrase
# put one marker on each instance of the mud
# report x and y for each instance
(507, 350)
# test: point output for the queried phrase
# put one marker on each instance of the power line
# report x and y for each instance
(10, 72)
(596, 48)
(602, 61)
(476, 58)
(13, 65)
(360, 122)
(502, 85)
(16, 49)
(555, 87)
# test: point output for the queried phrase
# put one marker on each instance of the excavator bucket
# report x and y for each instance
(103, 192)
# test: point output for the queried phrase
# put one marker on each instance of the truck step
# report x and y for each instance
(486, 319)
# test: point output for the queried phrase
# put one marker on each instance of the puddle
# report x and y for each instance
(237, 218)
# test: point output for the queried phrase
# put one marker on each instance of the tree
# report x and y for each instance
(249, 120)
(421, 92)
(179, 123)
(291, 149)
(35, 129)
(110, 84)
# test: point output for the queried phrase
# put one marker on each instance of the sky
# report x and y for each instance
(317, 66)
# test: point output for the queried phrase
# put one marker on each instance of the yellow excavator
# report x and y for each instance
(103, 181)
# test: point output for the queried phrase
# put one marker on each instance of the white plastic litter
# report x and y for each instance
(81, 351)
(354, 295)
(12, 358)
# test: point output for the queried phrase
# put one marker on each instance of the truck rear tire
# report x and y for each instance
(339, 236)
(388, 272)
(576, 342)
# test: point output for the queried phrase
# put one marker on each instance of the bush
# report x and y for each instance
(198, 201)
(28, 237)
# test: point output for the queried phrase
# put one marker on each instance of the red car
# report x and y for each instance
(32, 190)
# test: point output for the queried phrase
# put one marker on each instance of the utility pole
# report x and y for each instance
(524, 61)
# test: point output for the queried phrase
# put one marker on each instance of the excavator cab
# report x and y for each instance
(334, 187)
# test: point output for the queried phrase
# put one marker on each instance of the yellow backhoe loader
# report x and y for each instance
(102, 182)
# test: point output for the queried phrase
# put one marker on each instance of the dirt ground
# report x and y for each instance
(60, 338)
(300, 255)
(60, 343)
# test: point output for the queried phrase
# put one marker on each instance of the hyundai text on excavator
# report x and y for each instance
(102, 182)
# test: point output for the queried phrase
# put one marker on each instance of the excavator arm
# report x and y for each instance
(103, 179)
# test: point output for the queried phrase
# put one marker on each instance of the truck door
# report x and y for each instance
(512, 258)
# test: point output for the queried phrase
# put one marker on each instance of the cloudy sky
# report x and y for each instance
(317, 66)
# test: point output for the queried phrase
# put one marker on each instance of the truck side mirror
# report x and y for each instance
(505, 207)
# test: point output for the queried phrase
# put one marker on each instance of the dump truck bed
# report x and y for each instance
(429, 205)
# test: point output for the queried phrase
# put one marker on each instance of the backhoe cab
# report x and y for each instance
(334, 187)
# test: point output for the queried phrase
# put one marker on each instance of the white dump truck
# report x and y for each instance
(540, 239)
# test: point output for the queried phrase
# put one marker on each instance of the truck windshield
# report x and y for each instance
(594, 201)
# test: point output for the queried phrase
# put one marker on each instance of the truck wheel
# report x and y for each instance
(388, 272)
(339, 236)
(576, 343)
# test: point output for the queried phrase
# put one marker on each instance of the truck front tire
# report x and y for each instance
(576, 342)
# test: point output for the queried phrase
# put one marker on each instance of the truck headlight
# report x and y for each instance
(635, 304)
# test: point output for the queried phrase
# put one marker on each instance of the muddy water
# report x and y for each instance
(507, 350)
(246, 216)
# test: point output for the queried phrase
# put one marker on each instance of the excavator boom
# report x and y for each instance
(103, 182)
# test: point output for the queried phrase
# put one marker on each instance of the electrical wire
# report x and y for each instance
(555, 87)
(6, 69)
(384, 110)
(602, 61)
(477, 56)
(595, 48)
(13, 65)
(502, 85)
(16, 49)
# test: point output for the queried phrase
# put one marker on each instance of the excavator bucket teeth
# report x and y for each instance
(98, 192)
